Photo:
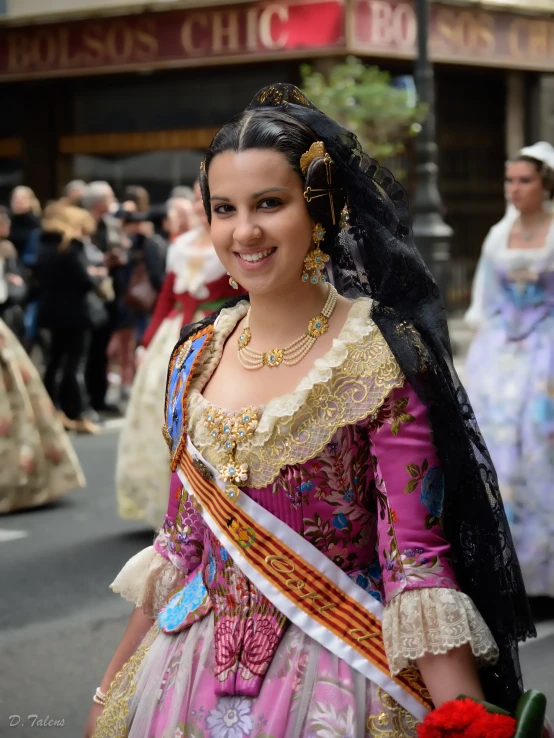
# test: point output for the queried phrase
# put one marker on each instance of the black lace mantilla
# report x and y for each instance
(376, 256)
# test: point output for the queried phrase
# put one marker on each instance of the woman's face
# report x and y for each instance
(524, 186)
(20, 202)
(261, 228)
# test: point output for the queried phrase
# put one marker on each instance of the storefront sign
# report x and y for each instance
(293, 28)
(175, 38)
(464, 35)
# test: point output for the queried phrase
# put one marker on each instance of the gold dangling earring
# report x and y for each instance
(233, 282)
(345, 218)
(316, 259)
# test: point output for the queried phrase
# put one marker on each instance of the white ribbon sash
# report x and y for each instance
(316, 560)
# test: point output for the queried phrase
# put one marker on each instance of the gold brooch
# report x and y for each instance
(273, 358)
(230, 430)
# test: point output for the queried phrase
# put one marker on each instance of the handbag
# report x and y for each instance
(140, 296)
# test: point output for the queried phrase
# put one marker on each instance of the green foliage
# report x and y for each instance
(362, 99)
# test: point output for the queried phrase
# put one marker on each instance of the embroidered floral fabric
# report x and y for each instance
(37, 461)
(371, 499)
(360, 369)
(166, 691)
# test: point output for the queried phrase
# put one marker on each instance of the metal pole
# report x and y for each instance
(432, 235)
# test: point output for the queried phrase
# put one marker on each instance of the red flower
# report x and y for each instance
(465, 719)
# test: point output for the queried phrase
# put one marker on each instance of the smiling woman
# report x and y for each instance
(261, 234)
(330, 493)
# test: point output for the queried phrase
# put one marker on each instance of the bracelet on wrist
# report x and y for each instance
(99, 697)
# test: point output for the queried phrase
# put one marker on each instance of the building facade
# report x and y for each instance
(106, 89)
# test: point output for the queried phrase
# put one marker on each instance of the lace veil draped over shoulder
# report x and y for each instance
(376, 256)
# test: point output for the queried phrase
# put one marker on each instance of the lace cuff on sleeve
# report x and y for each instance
(433, 620)
(146, 580)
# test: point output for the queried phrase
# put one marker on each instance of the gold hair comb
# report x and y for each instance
(317, 149)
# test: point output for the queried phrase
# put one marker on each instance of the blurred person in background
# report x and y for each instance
(196, 284)
(39, 463)
(137, 285)
(13, 290)
(74, 192)
(138, 196)
(70, 308)
(181, 219)
(99, 200)
(510, 366)
(183, 191)
(25, 217)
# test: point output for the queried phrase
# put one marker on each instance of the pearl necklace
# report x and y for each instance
(295, 351)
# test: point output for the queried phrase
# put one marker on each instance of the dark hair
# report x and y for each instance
(138, 195)
(277, 131)
(546, 173)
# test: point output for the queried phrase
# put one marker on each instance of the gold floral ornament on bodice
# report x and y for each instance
(231, 430)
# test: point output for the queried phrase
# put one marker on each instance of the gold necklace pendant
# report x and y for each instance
(317, 327)
(295, 351)
(244, 338)
(273, 358)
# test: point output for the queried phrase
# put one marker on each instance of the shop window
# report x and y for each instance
(157, 171)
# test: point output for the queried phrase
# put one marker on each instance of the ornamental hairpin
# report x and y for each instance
(316, 151)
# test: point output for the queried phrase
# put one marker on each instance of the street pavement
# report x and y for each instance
(59, 622)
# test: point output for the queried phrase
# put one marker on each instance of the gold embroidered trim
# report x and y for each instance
(393, 722)
(113, 720)
(356, 389)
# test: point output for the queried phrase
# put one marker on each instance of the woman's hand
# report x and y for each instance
(15, 279)
(93, 716)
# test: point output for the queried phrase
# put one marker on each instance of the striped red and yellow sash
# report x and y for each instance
(301, 582)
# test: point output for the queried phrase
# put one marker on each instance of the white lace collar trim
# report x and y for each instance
(357, 327)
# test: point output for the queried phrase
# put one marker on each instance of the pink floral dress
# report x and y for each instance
(348, 462)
